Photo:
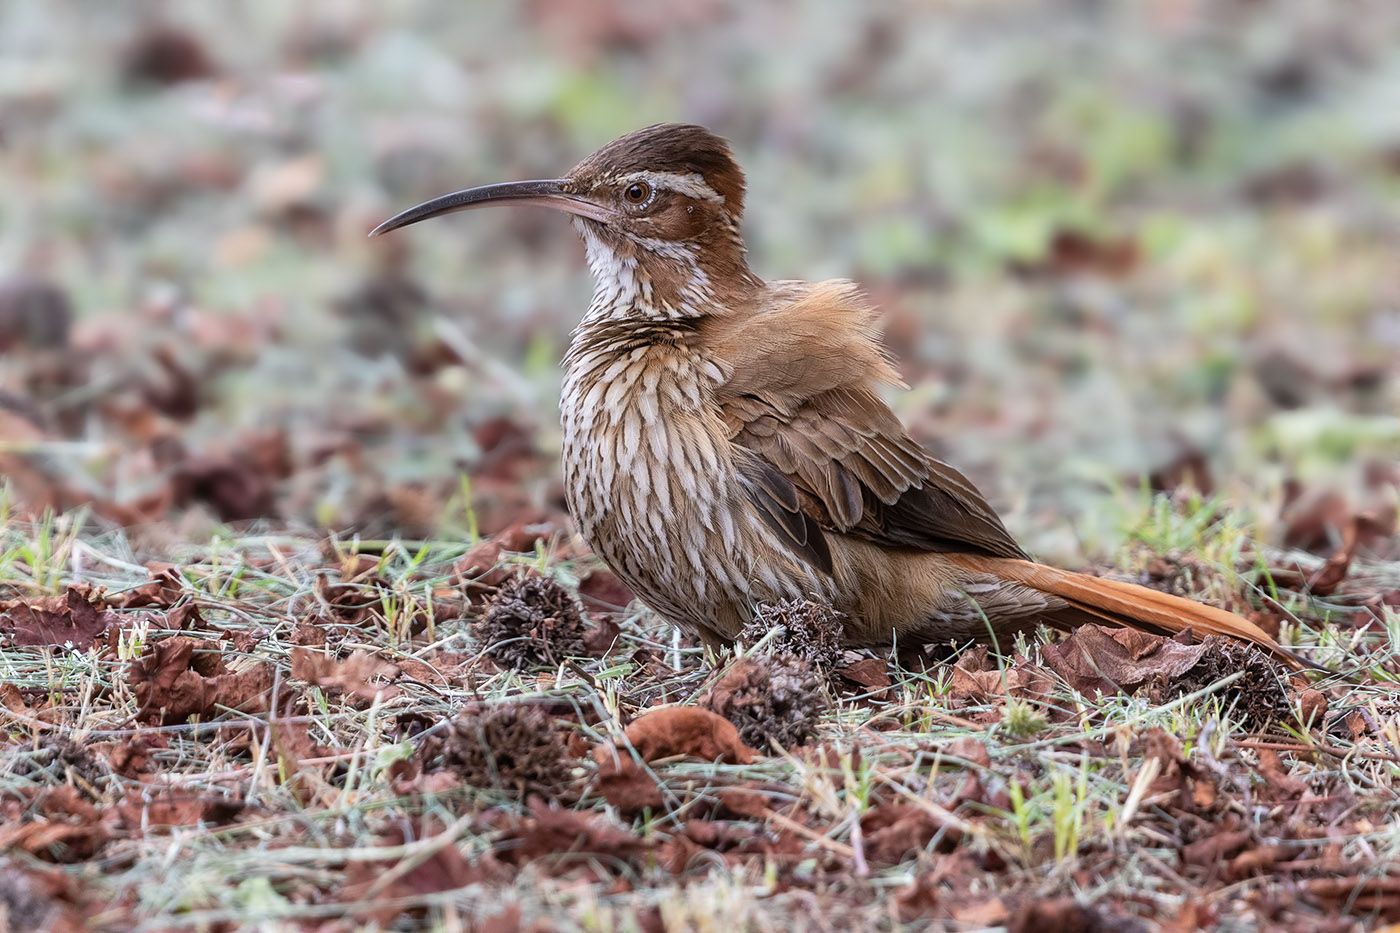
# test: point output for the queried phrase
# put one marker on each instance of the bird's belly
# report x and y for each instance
(690, 549)
(650, 479)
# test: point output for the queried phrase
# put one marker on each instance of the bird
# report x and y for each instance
(727, 445)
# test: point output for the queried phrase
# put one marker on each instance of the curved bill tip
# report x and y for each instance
(545, 192)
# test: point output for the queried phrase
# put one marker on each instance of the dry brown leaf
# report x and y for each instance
(969, 748)
(988, 913)
(1329, 576)
(1312, 706)
(683, 730)
(164, 590)
(141, 812)
(1194, 915)
(551, 833)
(1060, 915)
(444, 869)
(1096, 659)
(870, 673)
(918, 899)
(132, 757)
(39, 898)
(894, 831)
(59, 826)
(1258, 861)
(602, 589)
(70, 620)
(628, 786)
(1212, 851)
(360, 677)
(1278, 784)
(173, 683)
(1021, 679)
(1358, 892)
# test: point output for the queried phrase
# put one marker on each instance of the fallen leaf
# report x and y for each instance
(39, 898)
(552, 833)
(35, 314)
(969, 749)
(481, 569)
(1021, 679)
(1313, 518)
(408, 780)
(870, 673)
(1329, 576)
(59, 826)
(164, 590)
(917, 899)
(445, 868)
(601, 636)
(894, 831)
(238, 485)
(988, 913)
(1060, 914)
(1278, 785)
(132, 757)
(141, 812)
(628, 786)
(1194, 915)
(1212, 851)
(360, 678)
(1359, 892)
(1258, 861)
(602, 588)
(1073, 252)
(684, 730)
(745, 802)
(70, 621)
(164, 54)
(1312, 706)
(1096, 659)
(173, 683)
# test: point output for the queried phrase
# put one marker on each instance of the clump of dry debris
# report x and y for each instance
(1259, 698)
(806, 629)
(531, 622)
(777, 698)
(514, 747)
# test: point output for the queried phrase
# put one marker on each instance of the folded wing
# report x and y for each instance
(803, 400)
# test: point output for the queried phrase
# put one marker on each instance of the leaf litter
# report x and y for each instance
(350, 665)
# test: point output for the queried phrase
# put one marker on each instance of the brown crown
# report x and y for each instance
(680, 148)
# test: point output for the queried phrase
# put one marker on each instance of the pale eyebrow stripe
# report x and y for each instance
(691, 184)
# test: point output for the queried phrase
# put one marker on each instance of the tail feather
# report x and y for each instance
(1115, 602)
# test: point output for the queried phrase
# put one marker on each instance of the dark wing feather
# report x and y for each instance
(859, 473)
(800, 396)
(776, 499)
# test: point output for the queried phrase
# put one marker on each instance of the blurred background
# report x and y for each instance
(1119, 246)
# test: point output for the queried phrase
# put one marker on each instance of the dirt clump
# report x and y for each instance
(532, 622)
(1259, 697)
(779, 699)
(808, 630)
(514, 747)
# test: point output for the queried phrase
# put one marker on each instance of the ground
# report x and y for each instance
(296, 632)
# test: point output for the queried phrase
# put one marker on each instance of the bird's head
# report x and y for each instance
(659, 211)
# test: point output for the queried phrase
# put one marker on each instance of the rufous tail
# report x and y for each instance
(1113, 602)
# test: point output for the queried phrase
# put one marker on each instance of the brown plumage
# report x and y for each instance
(726, 443)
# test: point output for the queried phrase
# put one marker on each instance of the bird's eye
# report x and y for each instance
(637, 193)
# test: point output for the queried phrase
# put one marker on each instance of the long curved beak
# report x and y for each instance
(545, 192)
